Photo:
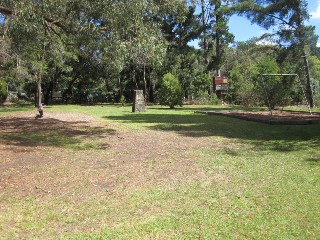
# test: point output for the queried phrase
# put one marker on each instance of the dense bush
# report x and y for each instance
(272, 84)
(3, 91)
(243, 85)
(247, 87)
(212, 100)
(170, 92)
(201, 85)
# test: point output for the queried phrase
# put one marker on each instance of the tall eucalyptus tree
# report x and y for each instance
(287, 18)
(215, 36)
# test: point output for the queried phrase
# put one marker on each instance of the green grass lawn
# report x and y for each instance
(258, 181)
(5, 110)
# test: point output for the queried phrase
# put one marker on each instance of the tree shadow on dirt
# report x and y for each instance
(263, 136)
(28, 132)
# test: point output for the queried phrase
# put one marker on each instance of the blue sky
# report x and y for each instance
(243, 30)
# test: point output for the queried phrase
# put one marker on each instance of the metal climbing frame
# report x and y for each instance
(266, 92)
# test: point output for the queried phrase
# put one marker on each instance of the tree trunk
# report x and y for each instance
(218, 40)
(145, 83)
(203, 20)
(151, 89)
(120, 88)
(48, 92)
(39, 100)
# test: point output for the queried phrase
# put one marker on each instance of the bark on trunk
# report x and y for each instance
(39, 90)
(145, 83)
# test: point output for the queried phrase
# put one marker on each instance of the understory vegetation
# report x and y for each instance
(71, 52)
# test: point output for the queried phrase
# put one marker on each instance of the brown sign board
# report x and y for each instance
(220, 80)
(222, 87)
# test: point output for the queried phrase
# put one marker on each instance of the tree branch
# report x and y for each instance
(283, 21)
(5, 11)
(58, 24)
(8, 12)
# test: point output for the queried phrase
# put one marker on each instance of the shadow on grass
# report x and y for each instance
(28, 132)
(314, 160)
(208, 108)
(262, 136)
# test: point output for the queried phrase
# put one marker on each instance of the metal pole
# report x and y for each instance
(266, 93)
(304, 94)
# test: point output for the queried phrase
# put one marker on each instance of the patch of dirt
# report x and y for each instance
(277, 117)
(130, 159)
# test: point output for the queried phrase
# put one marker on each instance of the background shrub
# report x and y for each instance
(3, 91)
(170, 93)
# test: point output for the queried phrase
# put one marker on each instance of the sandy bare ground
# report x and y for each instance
(118, 161)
